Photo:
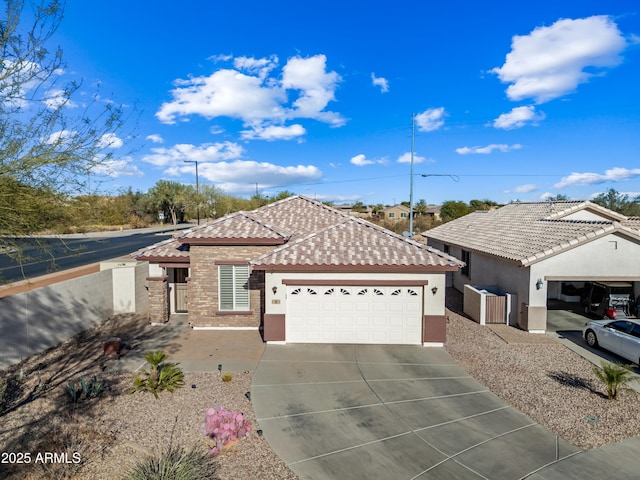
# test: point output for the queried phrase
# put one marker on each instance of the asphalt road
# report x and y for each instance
(46, 255)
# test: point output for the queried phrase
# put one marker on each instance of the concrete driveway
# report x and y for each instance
(371, 411)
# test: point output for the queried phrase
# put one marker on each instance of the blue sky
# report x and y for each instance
(515, 100)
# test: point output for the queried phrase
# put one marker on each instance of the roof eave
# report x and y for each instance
(234, 241)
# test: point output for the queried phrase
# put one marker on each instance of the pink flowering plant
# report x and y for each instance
(223, 426)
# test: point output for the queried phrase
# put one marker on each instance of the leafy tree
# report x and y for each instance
(46, 153)
(359, 207)
(281, 195)
(453, 209)
(618, 202)
(558, 198)
(171, 198)
(481, 205)
(421, 207)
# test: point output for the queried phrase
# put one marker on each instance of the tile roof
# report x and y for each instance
(313, 234)
(529, 232)
(236, 228)
(355, 243)
(167, 250)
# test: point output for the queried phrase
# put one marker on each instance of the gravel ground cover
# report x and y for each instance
(548, 382)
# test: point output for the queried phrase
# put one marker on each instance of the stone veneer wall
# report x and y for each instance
(203, 286)
(158, 299)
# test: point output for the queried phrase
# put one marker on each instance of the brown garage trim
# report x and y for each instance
(434, 328)
(274, 327)
(355, 283)
(222, 313)
(174, 265)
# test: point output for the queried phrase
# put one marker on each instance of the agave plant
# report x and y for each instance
(160, 376)
(614, 376)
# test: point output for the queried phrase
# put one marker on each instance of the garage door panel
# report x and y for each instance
(338, 314)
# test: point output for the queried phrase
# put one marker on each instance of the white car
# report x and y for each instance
(621, 337)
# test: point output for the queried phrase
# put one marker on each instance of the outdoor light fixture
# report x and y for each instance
(539, 284)
(274, 289)
(434, 290)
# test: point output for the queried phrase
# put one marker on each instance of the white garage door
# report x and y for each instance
(345, 314)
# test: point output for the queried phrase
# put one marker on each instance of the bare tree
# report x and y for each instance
(51, 143)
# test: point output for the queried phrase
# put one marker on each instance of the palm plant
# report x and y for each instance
(161, 376)
(614, 376)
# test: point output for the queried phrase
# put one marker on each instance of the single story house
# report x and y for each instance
(534, 251)
(396, 212)
(302, 272)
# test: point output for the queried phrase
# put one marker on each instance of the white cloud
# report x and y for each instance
(406, 158)
(242, 175)
(155, 138)
(60, 136)
(431, 119)
(208, 152)
(225, 93)
(502, 147)
(529, 187)
(380, 82)
(123, 167)
(273, 132)
(361, 160)
(587, 178)
(545, 196)
(57, 98)
(317, 88)
(110, 140)
(518, 117)
(552, 61)
(259, 66)
(255, 92)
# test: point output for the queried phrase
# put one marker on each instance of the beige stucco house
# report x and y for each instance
(396, 212)
(302, 272)
(533, 250)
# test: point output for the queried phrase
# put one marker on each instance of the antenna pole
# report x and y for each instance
(411, 181)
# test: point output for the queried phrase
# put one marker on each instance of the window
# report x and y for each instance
(233, 287)
(404, 214)
(392, 214)
(466, 258)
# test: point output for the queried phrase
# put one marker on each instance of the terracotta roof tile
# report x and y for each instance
(527, 232)
(236, 226)
(355, 243)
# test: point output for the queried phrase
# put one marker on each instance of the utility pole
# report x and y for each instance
(411, 181)
(197, 187)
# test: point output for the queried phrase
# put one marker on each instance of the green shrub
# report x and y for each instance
(161, 376)
(227, 377)
(81, 390)
(613, 376)
(174, 464)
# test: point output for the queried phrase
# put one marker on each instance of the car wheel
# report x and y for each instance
(591, 338)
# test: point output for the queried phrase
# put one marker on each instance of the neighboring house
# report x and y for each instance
(434, 212)
(366, 212)
(303, 272)
(537, 251)
(396, 212)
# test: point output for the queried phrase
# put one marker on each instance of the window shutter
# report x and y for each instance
(226, 287)
(241, 283)
(233, 287)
